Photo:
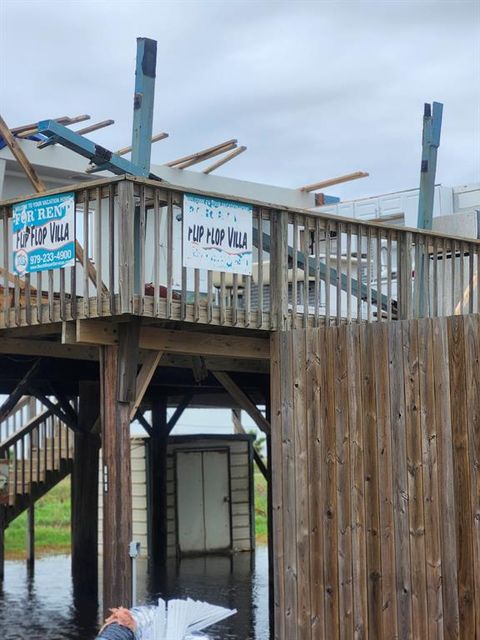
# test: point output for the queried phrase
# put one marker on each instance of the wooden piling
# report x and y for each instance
(118, 370)
(84, 514)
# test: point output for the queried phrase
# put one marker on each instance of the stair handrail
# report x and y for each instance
(24, 431)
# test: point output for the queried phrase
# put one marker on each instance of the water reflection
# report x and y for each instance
(41, 605)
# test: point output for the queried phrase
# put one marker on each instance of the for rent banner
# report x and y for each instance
(217, 234)
(44, 234)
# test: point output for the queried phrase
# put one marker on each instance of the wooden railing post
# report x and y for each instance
(404, 292)
(126, 257)
(279, 269)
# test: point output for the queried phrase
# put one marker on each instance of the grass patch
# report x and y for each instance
(261, 513)
(52, 525)
(52, 521)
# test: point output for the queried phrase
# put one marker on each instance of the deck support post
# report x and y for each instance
(157, 492)
(2, 542)
(30, 535)
(84, 513)
(118, 371)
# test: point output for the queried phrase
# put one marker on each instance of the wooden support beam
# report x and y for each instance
(47, 349)
(332, 181)
(144, 422)
(20, 156)
(118, 370)
(156, 138)
(56, 409)
(150, 363)
(157, 493)
(19, 391)
(179, 411)
(3, 522)
(239, 428)
(225, 159)
(64, 403)
(30, 528)
(188, 342)
(219, 148)
(242, 400)
(33, 125)
(84, 489)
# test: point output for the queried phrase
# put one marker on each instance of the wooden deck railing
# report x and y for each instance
(308, 268)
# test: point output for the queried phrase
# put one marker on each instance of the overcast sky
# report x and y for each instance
(313, 89)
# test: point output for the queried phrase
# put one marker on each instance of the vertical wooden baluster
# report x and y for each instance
(338, 277)
(196, 295)
(6, 253)
(184, 280)
(248, 295)
(39, 283)
(235, 300)
(427, 287)
(52, 441)
(327, 274)
(16, 299)
(453, 253)
(222, 298)
(444, 271)
(359, 273)
(22, 463)
(316, 246)
(169, 253)
(471, 249)
(45, 447)
(156, 255)
(15, 467)
(295, 271)
(369, 274)
(349, 273)
(209, 296)
(306, 269)
(30, 459)
(378, 233)
(142, 221)
(111, 251)
(86, 255)
(389, 275)
(51, 296)
(38, 453)
(461, 261)
(98, 249)
(260, 269)
(417, 273)
(28, 300)
(435, 276)
(63, 300)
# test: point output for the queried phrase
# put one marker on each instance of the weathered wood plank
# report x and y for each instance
(372, 520)
(302, 524)
(415, 479)
(315, 397)
(344, 531)
(356, 415)
(472, 360)
(430, 482)
(385, 487)
(463, 505)
(446, 479)
(400, 482)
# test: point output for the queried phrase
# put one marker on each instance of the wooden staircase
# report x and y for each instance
(38, 455)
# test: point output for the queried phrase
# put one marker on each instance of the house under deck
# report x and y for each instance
(359, 338)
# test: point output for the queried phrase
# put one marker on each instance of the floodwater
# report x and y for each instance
(42, 607)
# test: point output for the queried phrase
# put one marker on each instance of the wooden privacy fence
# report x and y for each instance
(309, 269)
(376, 480)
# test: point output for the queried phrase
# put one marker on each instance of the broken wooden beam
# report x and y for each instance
(332, 181)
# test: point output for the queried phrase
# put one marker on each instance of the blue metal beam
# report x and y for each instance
(89, 149)
(143, 102)
(432, 125)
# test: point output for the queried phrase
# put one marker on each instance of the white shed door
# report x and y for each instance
(203, 501)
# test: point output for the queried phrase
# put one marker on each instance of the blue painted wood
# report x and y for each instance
(143, 102)
(89, 149)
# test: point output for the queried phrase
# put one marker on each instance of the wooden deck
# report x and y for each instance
(309, 269)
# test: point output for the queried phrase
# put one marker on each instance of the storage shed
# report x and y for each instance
(210, 494)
